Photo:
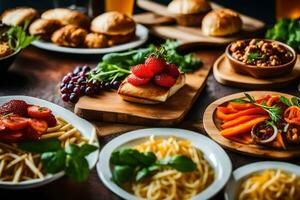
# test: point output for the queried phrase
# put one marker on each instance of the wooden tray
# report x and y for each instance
(225, 75)
(252, 149)
(110, 107)
(190, 35)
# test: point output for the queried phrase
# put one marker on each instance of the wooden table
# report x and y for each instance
(38, 73)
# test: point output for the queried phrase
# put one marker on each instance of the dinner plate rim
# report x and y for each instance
(142, 34)
(88, 127)
(223, 167)
(246, 170)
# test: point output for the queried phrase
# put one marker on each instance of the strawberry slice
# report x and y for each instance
(164, 80)
(157, 65)
(142, 71)
(172, 70)
(134, 80)
(51, 120)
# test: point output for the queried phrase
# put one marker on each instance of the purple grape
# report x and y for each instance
(66, 79)
(75, 78)
(65, 97)
(82, 89)
(70, 86)
(77, 70)
(64, 90)
(73, 98)
(62, 85)
(81, 81)
(77, 90)
(89, 91)
(86, 68)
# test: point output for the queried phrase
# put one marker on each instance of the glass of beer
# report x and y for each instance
(287, 9)
(122, 6)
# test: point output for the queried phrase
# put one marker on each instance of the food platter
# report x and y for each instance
(141, 37)
(191, 36)
(212, 152)
(212, 125)
(243, 172)
(86, 128)
(225, 75)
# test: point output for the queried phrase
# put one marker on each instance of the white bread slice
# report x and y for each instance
(150, 93)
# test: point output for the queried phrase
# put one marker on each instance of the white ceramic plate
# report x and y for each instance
(141, 37)
(212, 152)
(243, 172)
(86, 128)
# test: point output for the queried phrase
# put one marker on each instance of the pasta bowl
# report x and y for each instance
(86, 129)
(212, 152)
(240, 174)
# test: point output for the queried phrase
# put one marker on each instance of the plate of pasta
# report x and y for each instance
(264, 180)
(163, 163)
(40, 142)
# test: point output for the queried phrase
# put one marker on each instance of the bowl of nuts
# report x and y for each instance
(261, 58)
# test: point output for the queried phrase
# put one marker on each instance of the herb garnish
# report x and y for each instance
(130, 164)
(55, 158)
(18, 37)
(254, 56)
(294, 101)
(273, 111)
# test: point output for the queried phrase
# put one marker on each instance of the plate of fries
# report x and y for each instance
(21, 169)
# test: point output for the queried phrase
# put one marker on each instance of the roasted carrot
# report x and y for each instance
(227, 110)
(280, 140)
(265, 98)
(238, 121)
(242, 128)
(240, 106)
(292, 115)
(272, 100)
(251, 111)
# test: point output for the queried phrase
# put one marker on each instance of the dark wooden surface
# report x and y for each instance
(38, 73)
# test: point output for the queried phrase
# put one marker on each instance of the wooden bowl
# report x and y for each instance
(262, 71)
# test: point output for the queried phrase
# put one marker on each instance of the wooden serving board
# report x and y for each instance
(225, 75)
(190, 35)
(210, 126)
(110, 107)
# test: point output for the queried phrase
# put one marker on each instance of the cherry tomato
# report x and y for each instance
(15, 123)
(11, 137)
(40, 126)
(51, 120)
(38, 112)
(31, 134)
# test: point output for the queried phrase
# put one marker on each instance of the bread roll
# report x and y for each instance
(18, 16)
(149, 94)
(44, 27)
(189, 12)
(118, 27)
(221, 22)
(69, 36)
(67, 16)
(96, 40)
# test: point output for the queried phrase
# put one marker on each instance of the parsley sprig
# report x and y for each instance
(273, 111)
(254, 56)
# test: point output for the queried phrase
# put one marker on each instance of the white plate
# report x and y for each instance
(86, 128)
(243, 172)
(141, 37)
(212, 152)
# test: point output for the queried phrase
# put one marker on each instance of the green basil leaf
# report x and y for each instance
(144, 172)
(129, 157)
(77, 168)
(115, 158)
(48, 145)
(54, 162)
(147, 158)
(122, 174)
(285, 100)
(86, 149)
(238, 101)
(182, 163)
(72, 149)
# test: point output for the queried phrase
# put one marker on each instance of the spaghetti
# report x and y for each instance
(17, 165)
(272, 184)
(169, 183)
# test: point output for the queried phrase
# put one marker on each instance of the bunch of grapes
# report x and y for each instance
(76, 84)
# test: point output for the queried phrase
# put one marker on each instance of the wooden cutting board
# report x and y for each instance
(110, 107)
(210, 125)
(190, 35)
(225, 75)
